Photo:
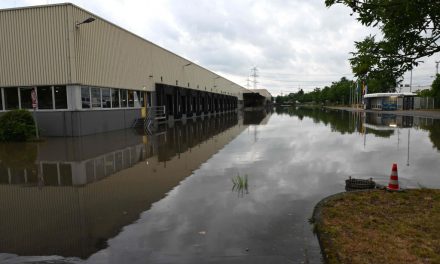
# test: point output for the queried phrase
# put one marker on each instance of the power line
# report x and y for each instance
(307, 74)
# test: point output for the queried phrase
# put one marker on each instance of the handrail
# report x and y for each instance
(153, 113)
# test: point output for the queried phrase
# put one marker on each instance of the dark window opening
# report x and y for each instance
(106, 103)
(11, 98)
(124, 98)
(85, 97)
(115, 98)
(96, 97)
(1, 101)
(60, 94)
(130, 98)
(26, 98)
(140, 96)
(44, 95)
(149, 99)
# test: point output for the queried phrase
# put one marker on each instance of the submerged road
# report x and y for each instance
(435, 113)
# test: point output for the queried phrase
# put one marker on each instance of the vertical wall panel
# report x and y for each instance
(33, 47)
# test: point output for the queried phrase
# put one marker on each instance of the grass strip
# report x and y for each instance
(380, 227)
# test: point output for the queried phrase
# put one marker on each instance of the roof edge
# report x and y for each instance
(36, 6)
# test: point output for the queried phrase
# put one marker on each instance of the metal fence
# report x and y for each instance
(424, 103)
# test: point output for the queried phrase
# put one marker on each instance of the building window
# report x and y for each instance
(115, 98)
(96, 97)
(26, 97)
(130, 98)
(85, 97)
(1, 99)
(106, 100)
(138, 96)
(123, 98)
(44, 95)
(60, 95)
(149, 99)
(142, 98)
(11, 98)
(138, 101)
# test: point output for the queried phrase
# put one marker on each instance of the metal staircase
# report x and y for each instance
(154, 114)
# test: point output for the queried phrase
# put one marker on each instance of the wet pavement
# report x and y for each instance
(125, 197)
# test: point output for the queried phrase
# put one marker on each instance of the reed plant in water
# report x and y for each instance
(240, 184)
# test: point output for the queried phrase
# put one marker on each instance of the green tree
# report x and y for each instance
(424, 93)
(410, 31)
(435, 92)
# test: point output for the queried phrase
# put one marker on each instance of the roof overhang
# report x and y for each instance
(377, 95)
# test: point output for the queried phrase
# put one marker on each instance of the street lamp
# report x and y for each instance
(86, 21)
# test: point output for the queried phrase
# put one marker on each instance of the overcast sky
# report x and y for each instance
(293, 43)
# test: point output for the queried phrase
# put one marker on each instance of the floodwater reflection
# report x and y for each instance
(169, 198)
(379, 124)
(68, 196)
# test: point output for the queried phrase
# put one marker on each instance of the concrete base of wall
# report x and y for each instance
(81, 123)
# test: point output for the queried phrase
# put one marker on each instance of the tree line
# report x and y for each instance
(339, 92)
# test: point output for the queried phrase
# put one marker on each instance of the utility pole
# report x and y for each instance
(254, 75)
(436, 67)
(349, 97)
(410, 82)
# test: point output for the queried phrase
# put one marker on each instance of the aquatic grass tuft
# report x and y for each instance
(240, 184)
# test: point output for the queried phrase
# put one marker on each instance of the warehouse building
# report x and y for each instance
(91, 76)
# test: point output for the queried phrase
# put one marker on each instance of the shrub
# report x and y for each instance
(17, 125)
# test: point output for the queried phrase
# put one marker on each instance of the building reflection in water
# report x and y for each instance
(68, 196)
(378, 124)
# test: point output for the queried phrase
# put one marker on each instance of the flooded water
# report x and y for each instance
(124, 197)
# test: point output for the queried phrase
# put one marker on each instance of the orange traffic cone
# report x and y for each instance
(394, 179)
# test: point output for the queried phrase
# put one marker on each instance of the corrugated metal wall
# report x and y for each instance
(38, 42)
(33, 46)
